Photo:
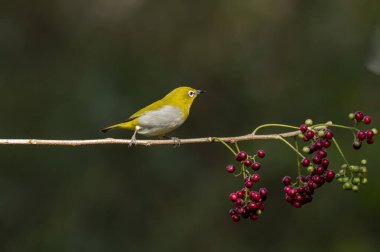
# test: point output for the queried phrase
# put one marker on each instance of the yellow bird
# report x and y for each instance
(162, 116)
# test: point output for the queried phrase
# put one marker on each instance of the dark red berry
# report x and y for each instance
(232, 212)
(263, 192)
(369, 133)
(305, 162)
(230, 168)
(317, 159)
(330, 175)
(248, 184)
(367, 119)
(309, 134)
(322, 153)
(233, 196)
(241, 156)
(292, 192)
(288, 198)
(310, 184)
(297, 204)
(316, 179)
(254, 217)
(359, 115)
(325, 162)
(240, 194)
(286, 180)
(255, 178)
(299, 198)
(252, 206)
(255, 195)
(301, 189)
(256, 166)
(260, 153)
(320, 170)
(235, 218)
(247, 162)
(361, 135)
(286, 189)
(328, 134)
(326, 143)
(318, 145)
(301, 178)
(303, 128)
(370, 140)
(238, 202)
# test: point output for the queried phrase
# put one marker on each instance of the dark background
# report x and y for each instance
(69, 68)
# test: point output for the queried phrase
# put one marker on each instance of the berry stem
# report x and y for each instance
(336, 126)
(340, 151)
(225, 144)
(298, 158)
(273, 125)
(291, 146)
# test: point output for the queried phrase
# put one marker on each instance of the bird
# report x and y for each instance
(162, 116)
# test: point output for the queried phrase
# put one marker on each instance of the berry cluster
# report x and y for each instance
(362, 135)
(300, 191)
(351, 176)
(248, 202)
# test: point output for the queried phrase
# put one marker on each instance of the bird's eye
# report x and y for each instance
(191, 93)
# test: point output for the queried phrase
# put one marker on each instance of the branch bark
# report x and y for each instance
(234, 139)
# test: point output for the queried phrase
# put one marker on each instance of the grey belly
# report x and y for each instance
(159, 122)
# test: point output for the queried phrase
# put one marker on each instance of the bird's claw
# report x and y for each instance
(177, 142)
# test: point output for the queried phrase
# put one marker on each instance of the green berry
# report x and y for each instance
(343, 166)
(309, 122)
(355, 168)
(341, 172)
(321, 133)
(340, 180)
(355, 188)
(345, 179)
(258, 212)
(374, 131)
(306, 149)
(300, 135)
(351, 116)
(363, 169)
(347, 186)
(356, 181)
(363, 162)
(364, 181)
(310, 169)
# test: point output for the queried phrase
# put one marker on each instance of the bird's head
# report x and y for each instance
(182, 97)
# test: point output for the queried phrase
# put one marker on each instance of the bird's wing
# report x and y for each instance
(154, 106)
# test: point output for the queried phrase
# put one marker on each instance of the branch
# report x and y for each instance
(249, 137)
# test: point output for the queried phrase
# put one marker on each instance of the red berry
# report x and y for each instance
(254, 217)
(369, 133)
(367, 119)
(255, 195)
(252, 206)
(230, 168)
(247, 163)
(260, 153)
(303, 128)
(297, 204)
(317, 159)
(233, 196)
(235, 218)
(263, 192)
(256, 166)
(239, 202)
(305, 162)
(309, 134)
(241, 156)
(248, 184)
(255, 178)
(240, 194)
(328, 134)
(330, 175)
(370, 140)
(292, 192)
(359, 115)
(286, 180)
(326, 143)
(322, 153)
(325, 162)
(361, 135)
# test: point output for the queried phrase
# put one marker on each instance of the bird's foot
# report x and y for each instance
(177, 142)
(133, 141)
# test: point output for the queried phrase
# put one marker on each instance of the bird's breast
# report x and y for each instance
(161, 121)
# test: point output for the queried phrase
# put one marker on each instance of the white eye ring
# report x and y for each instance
(191, 93)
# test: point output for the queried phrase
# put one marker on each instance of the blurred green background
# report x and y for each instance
(69, 68)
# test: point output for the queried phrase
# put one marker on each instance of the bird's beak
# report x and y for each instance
(200, 92)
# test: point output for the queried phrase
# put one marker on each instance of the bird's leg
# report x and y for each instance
(133, 138)
(176, 140)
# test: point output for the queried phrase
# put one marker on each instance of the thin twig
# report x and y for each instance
(235, 139)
